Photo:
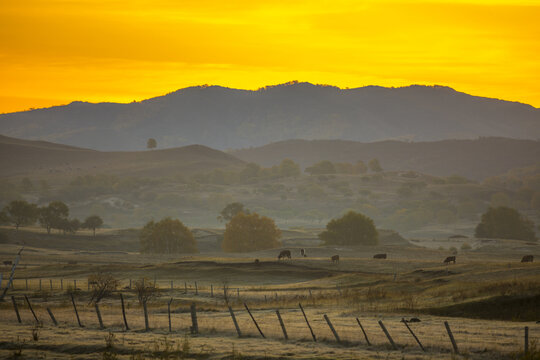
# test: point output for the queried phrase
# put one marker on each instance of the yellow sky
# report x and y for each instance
(56, 51)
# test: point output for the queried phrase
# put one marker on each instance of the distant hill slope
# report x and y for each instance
(226, 118)
(40, 158)
(475, 159)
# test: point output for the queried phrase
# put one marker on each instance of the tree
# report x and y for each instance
(505, 223)
(102, 285)
(167, 236)
(69, 226)
(151, 143)
(250, 232)
(320, 168)
(360, 167)
(20, 213)
(231, 210)
(351, 229)
(53, 216)
(289, 168)
(92, 222)
(374, 165)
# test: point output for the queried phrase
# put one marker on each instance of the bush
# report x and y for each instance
(351, 229)
(250, 232)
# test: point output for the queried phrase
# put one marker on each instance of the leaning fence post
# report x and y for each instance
(76, 312)
(387, 334)
(145, 309)
(235, 323)
(307, 322)
(124, 311)
(16, 309)
(365, 335)
(195, 325)
(52, 317)
(32, 310)
(412, 333)
(332, 328)
(169, 312)
(254, 321)
(98, 313)
(282, 325)
(451, 336)
(526, 345)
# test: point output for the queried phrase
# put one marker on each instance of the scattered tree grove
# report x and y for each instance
(167, 236)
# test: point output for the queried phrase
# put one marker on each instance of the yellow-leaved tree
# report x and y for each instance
(250, 232)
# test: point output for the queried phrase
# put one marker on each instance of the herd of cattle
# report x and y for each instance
(286, 254)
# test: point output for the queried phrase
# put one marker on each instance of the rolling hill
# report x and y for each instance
(41, 158)
(474, 159)
(225, 118)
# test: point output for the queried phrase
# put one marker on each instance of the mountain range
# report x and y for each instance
(224, 118)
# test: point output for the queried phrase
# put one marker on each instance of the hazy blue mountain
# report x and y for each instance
(475, 159)
(225, 118)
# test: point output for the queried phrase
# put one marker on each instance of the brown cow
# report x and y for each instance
(335, 259)
(450, 259)
(379, 256)
(284, 254)
(8, 262)
(527, 258)
(303, 252)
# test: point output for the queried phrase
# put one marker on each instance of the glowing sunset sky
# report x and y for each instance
(56, 51)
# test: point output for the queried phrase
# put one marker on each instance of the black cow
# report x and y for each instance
(284, 254)
(450, 259)
(335, 259)
(8, 262)
(379, 256)
(527, 258)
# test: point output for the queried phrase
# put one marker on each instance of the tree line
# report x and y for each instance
(55, 215)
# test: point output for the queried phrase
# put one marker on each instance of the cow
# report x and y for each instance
(284, 254)
(8, 262)
(450, 259)
(527, 258)
(257, 262)
(303, 252)
(379, 256)
(335, 259)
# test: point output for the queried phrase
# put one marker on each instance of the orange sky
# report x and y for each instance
(56, 51)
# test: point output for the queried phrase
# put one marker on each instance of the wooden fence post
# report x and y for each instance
(26, 281)
(50, 282)
(52, 317)
(124, 311)
(195, 325)
(211, 290)
(332, 328)
(172, 286)
(235, 323)
(307, 322)
(363, 331)
(169, 312)
(32, 310)
(16, 309)
(145, 309)
(75, 284)
(39, 284)
(98, 313)
(238, 293)
(75, 308)
(129, 284)
(451, 336)
(61, 284)
(412, 333)
(282, 325)
(254, 321)
(526, 345)
(387, 335)
(196, 289)
(185, 287)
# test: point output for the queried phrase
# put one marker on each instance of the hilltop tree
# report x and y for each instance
(167, 236)
(20, 213)
(374, 165)
(92, 222)
(351, 229)
(151, 143)
(250, 232)
(505, 223)
(54, 215)
(231, 210)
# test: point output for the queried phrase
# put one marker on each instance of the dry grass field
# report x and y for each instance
(487, 297)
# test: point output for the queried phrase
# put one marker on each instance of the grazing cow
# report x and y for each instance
(335, 259)
(379, 256)
(8, 262)
(284, 254)
(303, 252)
(450, 259)
(412, 320)
(257, 262)
(527, 258)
